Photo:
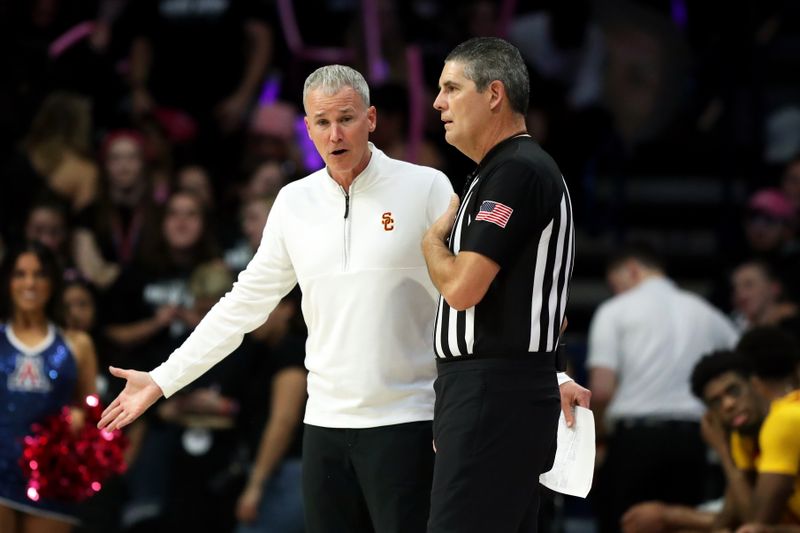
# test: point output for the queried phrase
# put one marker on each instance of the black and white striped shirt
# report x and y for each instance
(517, 212)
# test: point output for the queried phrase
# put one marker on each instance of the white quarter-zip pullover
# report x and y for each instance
(367, 299)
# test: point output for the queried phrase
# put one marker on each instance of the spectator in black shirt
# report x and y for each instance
(149, 305)
(205, 58)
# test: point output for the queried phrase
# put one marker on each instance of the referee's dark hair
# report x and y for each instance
(487, 59)
(771, 353)
(642, 252)
(713, 365)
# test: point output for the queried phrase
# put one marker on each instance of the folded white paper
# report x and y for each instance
(573, 467)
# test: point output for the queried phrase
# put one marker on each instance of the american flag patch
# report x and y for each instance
(494, 212)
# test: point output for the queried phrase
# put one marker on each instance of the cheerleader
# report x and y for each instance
(42, 368)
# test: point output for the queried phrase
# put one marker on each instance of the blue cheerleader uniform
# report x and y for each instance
(35, 382)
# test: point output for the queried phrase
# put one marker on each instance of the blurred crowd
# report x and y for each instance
(143, 143)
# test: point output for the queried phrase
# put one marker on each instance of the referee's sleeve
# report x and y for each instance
(513, 205)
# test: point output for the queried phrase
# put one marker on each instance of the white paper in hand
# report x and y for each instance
(573, 467)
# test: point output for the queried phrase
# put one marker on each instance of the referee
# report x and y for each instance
(504, 280)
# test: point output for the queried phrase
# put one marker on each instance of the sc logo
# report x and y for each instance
(387, 221)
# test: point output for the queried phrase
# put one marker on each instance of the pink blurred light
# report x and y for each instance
(71, 37)
(33, 494)
(96, 486)
(92, 401)
(34, 465)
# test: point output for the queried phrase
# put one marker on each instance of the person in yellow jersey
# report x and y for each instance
(774, 357)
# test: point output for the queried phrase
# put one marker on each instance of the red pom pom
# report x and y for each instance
(66, 464)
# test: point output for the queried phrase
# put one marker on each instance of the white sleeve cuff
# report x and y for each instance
(563, 378)
(161, 376)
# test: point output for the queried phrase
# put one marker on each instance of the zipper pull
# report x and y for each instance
(346, 204)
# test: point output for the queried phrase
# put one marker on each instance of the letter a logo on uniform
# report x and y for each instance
(387, 221)
(28, 376)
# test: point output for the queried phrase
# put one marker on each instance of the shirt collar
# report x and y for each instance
(658, 281)
(497, 148)
(367, 177)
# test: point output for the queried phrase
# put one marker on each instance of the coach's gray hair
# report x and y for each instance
(333, 78)
(487, 59)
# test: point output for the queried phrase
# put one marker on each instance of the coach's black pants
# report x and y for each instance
(367, 480)
(495, 431)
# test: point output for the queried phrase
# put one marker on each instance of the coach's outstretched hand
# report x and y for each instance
(140, 392)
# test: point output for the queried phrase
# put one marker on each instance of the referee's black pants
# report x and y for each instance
(373, 480)
(494, 428)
